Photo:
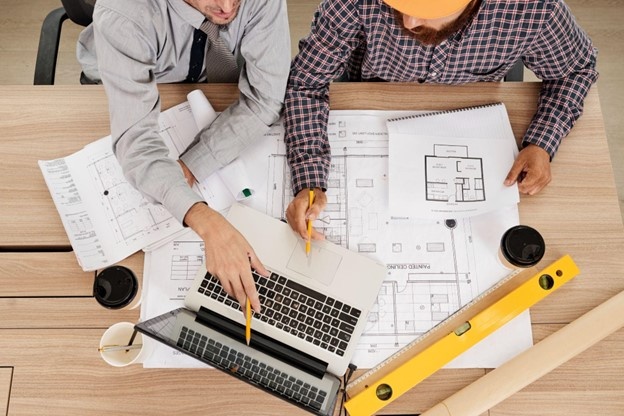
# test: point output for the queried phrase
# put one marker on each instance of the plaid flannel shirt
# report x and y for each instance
(364, 39)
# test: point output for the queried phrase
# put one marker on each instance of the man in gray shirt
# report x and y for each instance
(133, 45)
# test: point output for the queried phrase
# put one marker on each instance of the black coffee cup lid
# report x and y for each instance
(115, 287)
(522, 246)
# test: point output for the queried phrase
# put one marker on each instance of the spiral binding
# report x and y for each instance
(435, 113)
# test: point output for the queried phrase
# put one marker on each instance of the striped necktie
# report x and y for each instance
(220, 63)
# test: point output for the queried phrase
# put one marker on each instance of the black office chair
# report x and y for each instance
(79, 12)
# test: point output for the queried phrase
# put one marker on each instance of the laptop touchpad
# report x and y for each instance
(320, 265)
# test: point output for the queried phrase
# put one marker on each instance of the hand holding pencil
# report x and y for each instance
(303, 210)
(309, 241)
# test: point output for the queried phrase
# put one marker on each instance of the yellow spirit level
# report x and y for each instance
(424, 356)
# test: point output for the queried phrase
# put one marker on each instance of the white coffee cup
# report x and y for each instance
(119, 335)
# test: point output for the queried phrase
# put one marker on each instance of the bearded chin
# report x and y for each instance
(427, 36)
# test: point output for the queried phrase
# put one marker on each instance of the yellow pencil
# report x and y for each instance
(248, 323)
(309, 242)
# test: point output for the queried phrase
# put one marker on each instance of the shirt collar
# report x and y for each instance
(187, 12)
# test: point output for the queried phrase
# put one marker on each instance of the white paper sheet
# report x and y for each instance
(452, 163)
(105, 218)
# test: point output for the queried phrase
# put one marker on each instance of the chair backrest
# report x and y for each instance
(79, 11)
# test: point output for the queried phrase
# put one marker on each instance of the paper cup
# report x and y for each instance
(116, 287)
(521, 246)
(119, 334)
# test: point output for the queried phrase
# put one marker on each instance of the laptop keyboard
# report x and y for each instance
(296, 309)
(251, 368)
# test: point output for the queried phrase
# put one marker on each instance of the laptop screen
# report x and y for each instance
(181, 329)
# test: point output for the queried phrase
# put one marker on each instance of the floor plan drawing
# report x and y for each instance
(451, 164)
(451, 175)
(431, 264)
(130, 215)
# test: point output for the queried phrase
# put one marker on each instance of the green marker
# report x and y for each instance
(246, 192)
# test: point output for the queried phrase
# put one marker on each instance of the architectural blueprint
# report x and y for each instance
(451, 164)
(433, 266)
(106, 218)
(452, 175)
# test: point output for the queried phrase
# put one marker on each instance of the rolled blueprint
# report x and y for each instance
(235, 178)
(517, 373)
(234, 175)
(203, 113)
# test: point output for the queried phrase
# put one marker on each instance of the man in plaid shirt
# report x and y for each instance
(434, 41)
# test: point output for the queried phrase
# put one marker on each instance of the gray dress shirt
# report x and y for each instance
(133, 45)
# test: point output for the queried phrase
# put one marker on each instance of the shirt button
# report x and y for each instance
(421, 80)
(434, 74)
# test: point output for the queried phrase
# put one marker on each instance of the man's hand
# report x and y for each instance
(298, 212)
(229, 256)
(531, 170)
(188, 175)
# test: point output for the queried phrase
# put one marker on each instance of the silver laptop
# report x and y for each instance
(317, 304)
(314, 309)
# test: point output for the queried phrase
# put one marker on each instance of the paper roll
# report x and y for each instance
(203, 113)
(237, 181)
(517, 373)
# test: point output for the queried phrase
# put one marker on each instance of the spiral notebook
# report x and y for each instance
(451, 164)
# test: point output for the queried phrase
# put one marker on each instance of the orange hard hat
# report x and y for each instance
(427, 9)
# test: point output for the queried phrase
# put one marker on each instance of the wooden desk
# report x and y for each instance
(51, 325)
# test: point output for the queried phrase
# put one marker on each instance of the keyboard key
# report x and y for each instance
(344, 336)
(346, 328)
(348, 319)
(306, 290)
(316, 405)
